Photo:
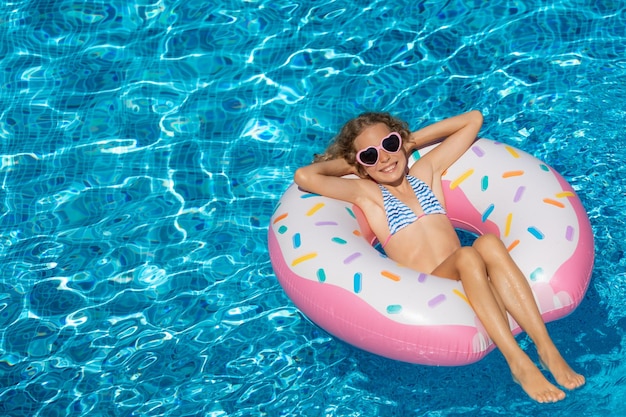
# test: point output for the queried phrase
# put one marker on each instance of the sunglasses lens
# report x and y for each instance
(391, 143)
(369, 156)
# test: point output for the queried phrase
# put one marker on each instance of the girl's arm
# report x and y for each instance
(325, 178)
(458, 133)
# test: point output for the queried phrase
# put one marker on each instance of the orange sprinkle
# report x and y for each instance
(513, 245)
(512, 151)
(356, 232)
(281, 217)
(314, 209)
(390, 275)
(565, 194)
(303, 258)
(509, 174)
(460, 294)
(554, 202)
(507, 225)
(461, 178)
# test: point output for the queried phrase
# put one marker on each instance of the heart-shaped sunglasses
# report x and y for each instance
(390, 143)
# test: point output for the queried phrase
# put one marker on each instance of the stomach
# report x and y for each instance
(424, 244)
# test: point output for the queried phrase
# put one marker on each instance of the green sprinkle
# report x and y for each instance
(394, 309)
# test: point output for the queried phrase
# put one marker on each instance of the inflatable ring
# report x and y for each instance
(325, 261)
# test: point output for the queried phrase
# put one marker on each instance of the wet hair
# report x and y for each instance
(342, 145)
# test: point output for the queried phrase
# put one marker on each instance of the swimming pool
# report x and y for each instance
(144, 147)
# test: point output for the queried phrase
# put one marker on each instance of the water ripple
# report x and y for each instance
(144, 146)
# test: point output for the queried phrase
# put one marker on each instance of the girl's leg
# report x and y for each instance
(512, 287)
(467, 265)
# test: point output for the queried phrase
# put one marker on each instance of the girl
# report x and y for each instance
(406, 210)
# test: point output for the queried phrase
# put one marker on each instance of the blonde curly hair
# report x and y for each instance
(342, 145)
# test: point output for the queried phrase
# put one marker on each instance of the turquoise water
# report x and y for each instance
(145, 145)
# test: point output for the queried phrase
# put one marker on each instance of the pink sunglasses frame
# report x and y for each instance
(379, 148)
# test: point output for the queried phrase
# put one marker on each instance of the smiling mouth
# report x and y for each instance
(389, 168)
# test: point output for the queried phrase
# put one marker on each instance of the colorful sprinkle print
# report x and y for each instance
(314, 209)
(280, 218)
(487, 212)
(512, 151)
(296, 240)
(434, 302)
(394, 309)
(478, 151)
(461, 295)
(507, 225)
(326, 223)
(390, 275)
(321, 275)
(536, 232)
(358, 282)
(554, 202)
(304, 258)
(351, 258)
(484, 183)
(536, 274)
(461, 178)
(512, 245)
(510, 174)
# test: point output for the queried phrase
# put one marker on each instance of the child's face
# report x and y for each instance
(390, 165)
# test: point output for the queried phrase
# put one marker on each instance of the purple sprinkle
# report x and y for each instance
(326, 223)
(569, 233)
(436, 301)
(478, 151)
(351, 258)
(518, 194)
(422, 277)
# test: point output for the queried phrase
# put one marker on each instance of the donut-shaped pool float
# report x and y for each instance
(325, 260)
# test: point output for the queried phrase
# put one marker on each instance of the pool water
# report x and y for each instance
(145, 145)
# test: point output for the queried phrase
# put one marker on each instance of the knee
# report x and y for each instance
(489, 245)
(469, 258)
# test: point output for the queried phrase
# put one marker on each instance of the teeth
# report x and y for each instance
(389, 168)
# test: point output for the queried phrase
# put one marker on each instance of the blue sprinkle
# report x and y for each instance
(394, 309)
(339, 240)
(535, 232)
(296, 240)
(484, 183)
(357, 282)
(488, 212)
(321, 275)
(536, 274)
(282, 229)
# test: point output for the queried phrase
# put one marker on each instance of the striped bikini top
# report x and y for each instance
(399, 215)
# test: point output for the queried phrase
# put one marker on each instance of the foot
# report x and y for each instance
(530, 378)
(563, 374)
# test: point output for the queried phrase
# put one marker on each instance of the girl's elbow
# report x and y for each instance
(300, 176)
